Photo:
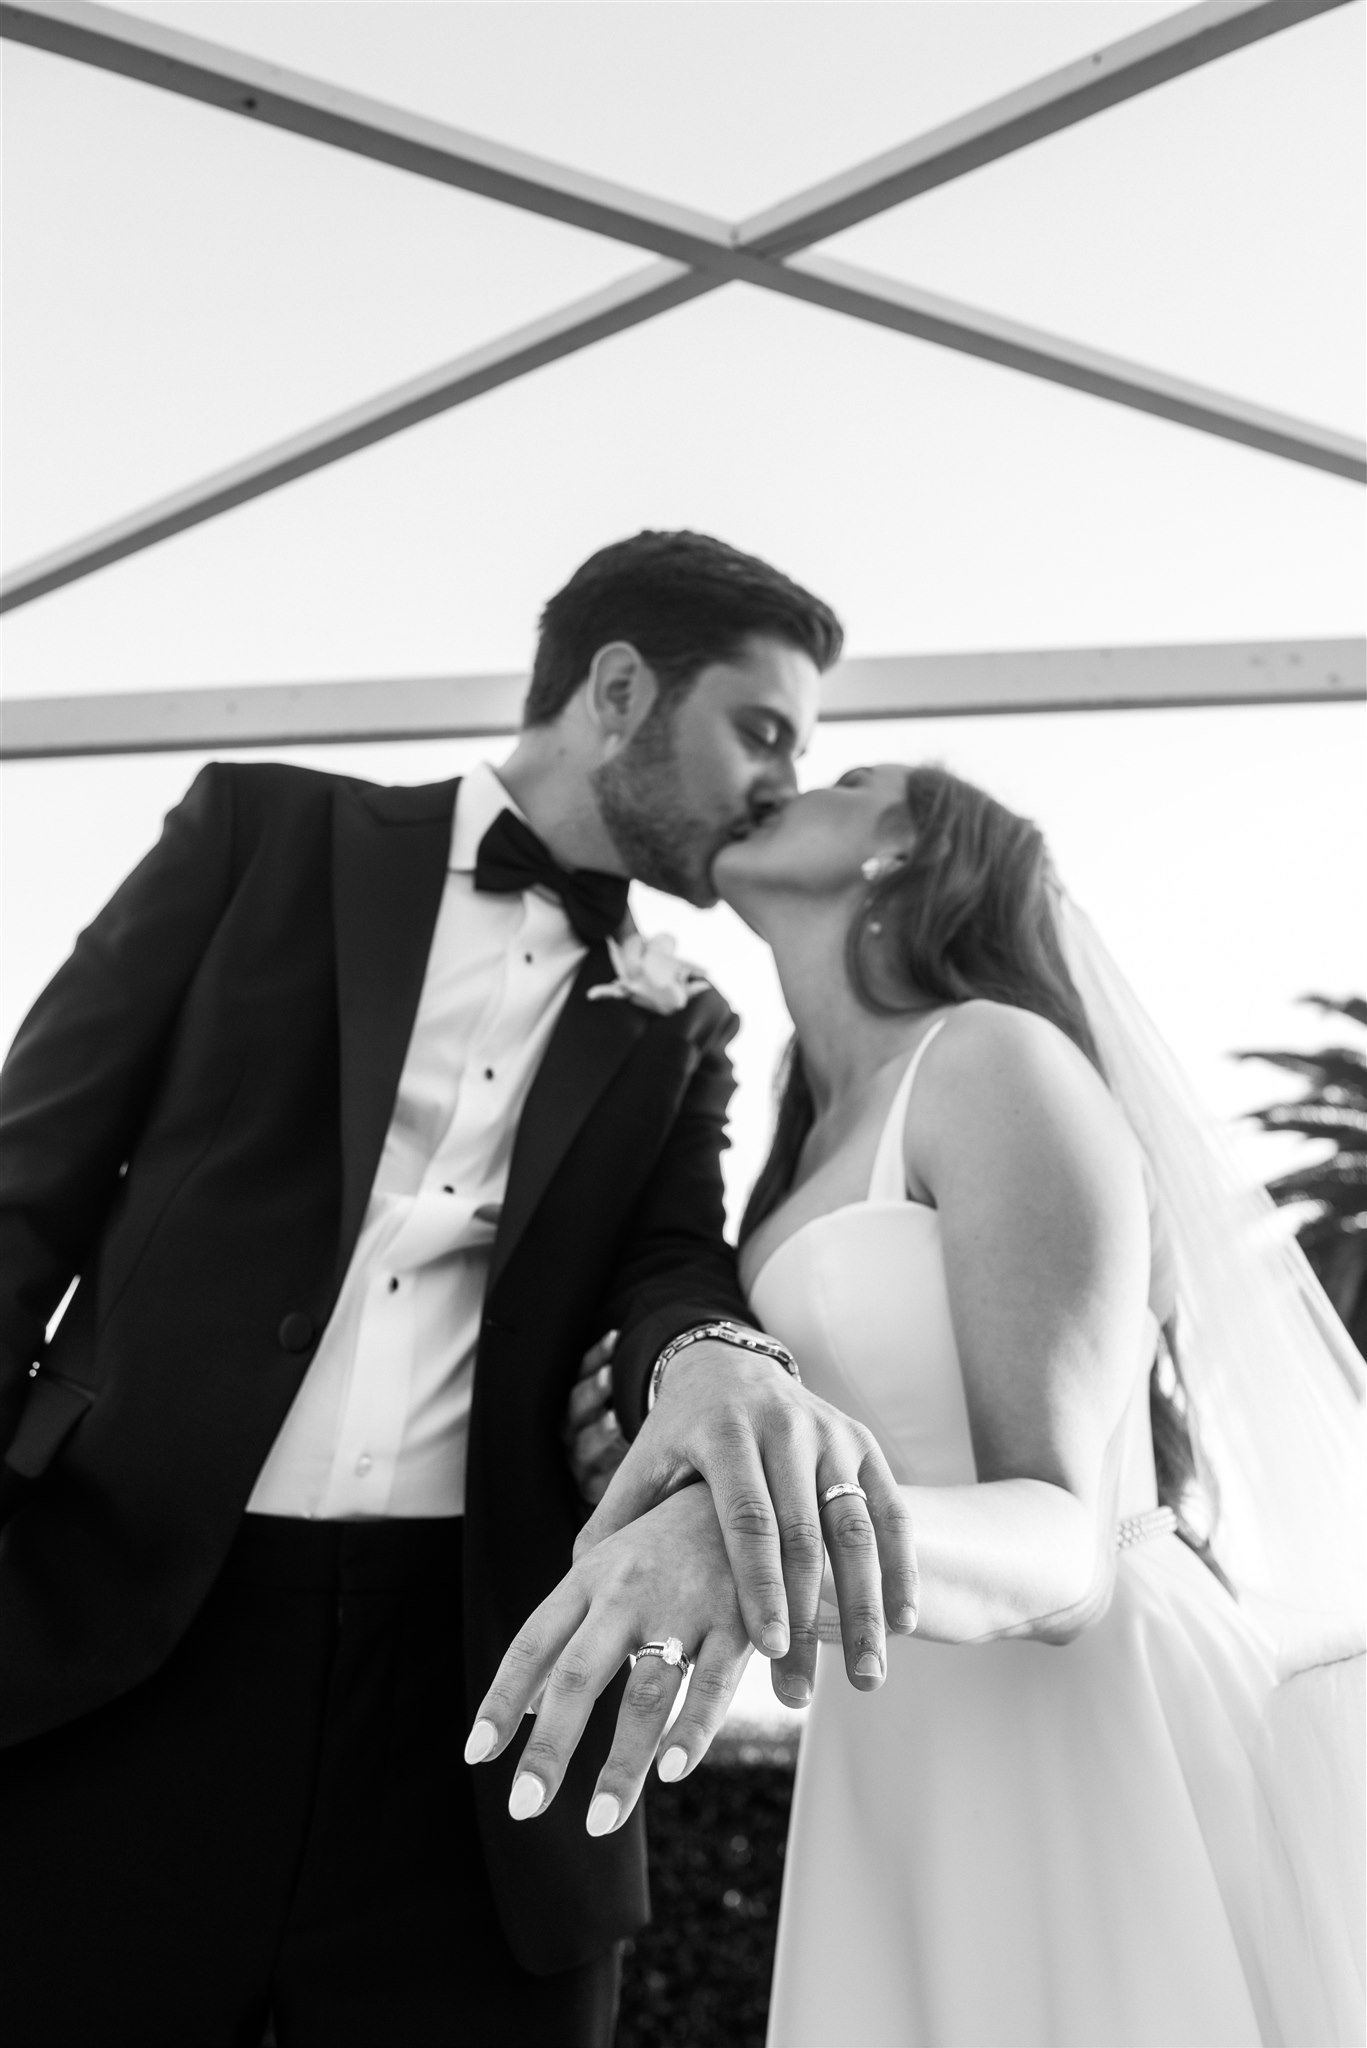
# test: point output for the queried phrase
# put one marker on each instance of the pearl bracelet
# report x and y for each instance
(721, 1333)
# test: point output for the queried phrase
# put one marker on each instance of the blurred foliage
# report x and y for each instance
(698, 1976)
(1333, 1109)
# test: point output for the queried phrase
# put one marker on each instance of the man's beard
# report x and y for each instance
(639, 801)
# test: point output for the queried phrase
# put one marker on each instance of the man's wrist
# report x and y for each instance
(756, 1342)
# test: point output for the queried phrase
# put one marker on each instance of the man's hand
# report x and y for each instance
(767, 1450)
(591, 1434)
(666, 1575)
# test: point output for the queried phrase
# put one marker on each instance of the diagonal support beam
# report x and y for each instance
(275, 97)
(1181, 42)
(611, 311)
(885, 302)
(717, 254)
(839, 287)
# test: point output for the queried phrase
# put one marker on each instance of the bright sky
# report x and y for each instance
(183, 288)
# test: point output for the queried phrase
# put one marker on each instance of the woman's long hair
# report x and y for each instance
(969, 913)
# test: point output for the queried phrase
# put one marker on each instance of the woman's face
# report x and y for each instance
(816, 845)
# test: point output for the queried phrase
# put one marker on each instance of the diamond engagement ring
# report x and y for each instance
(835, 1492)
(670, 1651)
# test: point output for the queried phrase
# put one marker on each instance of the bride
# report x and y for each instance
(1094, 1798)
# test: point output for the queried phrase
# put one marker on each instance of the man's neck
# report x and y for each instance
(551, 786)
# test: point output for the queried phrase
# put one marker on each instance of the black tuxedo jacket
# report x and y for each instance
(190, 1121)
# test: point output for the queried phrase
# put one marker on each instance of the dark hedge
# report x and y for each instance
(698, 1976)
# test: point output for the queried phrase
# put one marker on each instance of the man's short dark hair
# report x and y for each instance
(682, 600)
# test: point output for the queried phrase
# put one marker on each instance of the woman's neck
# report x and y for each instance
(843, 1043)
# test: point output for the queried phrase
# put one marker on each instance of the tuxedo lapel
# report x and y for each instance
(390, 852)
(590, 1042)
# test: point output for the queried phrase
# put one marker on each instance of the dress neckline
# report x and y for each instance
(887, 1172)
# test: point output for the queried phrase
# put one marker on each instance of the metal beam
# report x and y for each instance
(273, 96)
(865, 295)
(610, 311)
(839, 287)
(1181, 42)
(888, 686)
(286, 99)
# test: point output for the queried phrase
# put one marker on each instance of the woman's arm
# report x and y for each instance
(1044, 1223)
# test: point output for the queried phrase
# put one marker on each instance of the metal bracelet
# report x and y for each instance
(721, 1333)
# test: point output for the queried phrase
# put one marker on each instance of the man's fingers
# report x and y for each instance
(750, 1531)
(788, 1468)
(895, 1537)
(853, 1551)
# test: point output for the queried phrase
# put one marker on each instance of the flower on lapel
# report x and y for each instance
(650, 973)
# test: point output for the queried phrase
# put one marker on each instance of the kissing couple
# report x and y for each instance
(357, 1116)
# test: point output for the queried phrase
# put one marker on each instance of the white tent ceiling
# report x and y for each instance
(187, 285)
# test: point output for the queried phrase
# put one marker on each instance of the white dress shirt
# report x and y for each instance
(378, 1427)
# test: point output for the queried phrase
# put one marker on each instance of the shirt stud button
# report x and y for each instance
(447, 1188)
(488, 1073)
(364, 1463)
(393, 1283)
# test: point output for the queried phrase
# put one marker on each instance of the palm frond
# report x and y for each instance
(1350, 1006)
(1338, 1068)
(1341, 1182)
(1346, 1127)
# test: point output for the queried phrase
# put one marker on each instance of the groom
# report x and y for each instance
(352, 1169)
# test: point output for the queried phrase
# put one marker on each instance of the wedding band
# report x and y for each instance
(834, 1493)
(670, 1651)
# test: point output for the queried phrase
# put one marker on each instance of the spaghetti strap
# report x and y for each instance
(888, 1181)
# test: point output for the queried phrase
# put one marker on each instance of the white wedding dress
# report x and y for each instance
(1013, 1845)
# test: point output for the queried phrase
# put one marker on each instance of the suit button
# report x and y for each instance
(296, 1331)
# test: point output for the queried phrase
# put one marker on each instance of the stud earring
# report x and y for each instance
(879, 864)
(874, 927)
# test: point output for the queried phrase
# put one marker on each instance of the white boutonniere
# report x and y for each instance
(651, 974)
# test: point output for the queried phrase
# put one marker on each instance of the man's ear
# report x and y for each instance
(620, 693)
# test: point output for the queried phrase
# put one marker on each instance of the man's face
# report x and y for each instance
(708, 768)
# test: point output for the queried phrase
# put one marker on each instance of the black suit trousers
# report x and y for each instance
(277, 1825)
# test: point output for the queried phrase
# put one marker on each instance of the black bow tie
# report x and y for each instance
(512, 857)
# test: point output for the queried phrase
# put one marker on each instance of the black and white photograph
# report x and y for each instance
(683, 1024)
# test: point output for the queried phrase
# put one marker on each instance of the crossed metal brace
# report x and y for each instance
(695, 252)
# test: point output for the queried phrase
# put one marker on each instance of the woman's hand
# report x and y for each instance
(592, 1435)
(664, 1575)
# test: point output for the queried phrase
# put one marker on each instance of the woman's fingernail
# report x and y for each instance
(604, 1814)
(870, 1665)
(673, 1764)
(906, 1619)
(527, 1796)
(798, 1690)
(478, 1743)
(773, 1639)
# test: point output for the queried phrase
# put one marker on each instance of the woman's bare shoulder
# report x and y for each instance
(995, 1067)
